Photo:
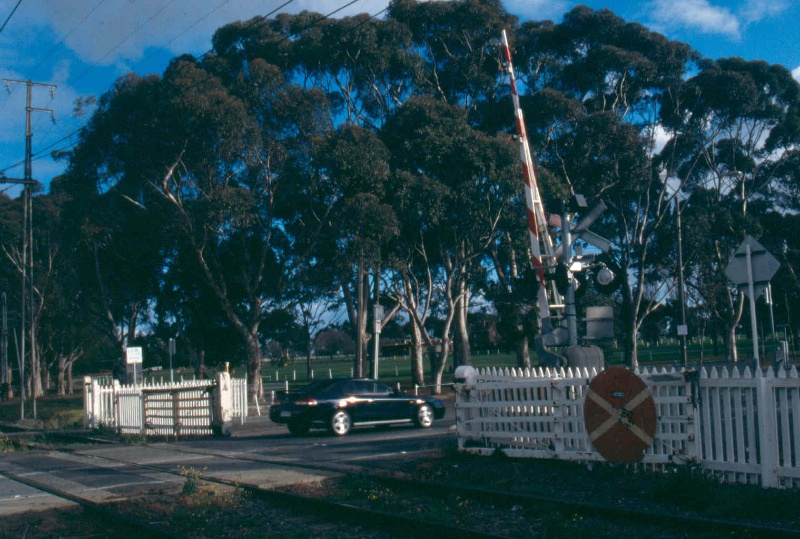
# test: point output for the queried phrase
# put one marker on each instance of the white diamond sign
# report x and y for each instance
(764, 266)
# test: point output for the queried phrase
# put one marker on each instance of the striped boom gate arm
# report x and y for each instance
(540, 240)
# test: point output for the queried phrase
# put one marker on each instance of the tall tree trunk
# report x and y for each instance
(61, 375)
(254, 365)
(523, 353)
(731, 351)
(361, 321)
(70, 385)
(44, 378)
(309, 346)
(417, 356)
(441, 362)
(464, 352)
(200, 365)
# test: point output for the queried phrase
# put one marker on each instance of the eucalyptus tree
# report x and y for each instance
(110, 215)
(22, 257)
(230, 184)
(735, 138)
(456, 43)
(361, 63)
(362, 67)
(344, 197)
(451, 186)
(602, 82)
(188, 310)
(785, 286)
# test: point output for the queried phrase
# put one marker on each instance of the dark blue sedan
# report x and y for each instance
(339, 404)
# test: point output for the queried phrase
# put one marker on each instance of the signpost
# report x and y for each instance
(171, 350)
(133, 356)
(751, 268)
(377, 316)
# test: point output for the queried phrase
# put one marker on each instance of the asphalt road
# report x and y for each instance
(251, 455)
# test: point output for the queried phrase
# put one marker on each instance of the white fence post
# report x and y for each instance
(96, 405)
(87, 401)
(224, 402)
(767, 428)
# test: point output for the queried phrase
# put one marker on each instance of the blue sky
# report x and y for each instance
(82, 46)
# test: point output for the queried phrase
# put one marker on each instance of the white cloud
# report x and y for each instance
(756, 10)
(699, 15)
(796, 73)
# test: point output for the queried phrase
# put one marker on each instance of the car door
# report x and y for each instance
(388, 405)
(360, 401)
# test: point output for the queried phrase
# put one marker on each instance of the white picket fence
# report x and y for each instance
(734, 423)
(163, 409)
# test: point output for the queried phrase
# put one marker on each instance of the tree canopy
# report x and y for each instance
(309, 161)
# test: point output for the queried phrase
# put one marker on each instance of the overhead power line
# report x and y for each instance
(257, 20)
(64, 39)
(9, 16)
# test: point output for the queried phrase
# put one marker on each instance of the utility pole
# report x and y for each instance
(28, 288)
(5, 379)
(682, 328)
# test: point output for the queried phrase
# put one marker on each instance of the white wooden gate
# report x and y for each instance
(736, 424)
(180, 409)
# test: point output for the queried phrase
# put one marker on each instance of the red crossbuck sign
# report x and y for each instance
(620, 415)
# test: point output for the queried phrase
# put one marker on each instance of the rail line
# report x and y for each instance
(114, 518)
(390, 523)
(406, 526)
(607, 512)
(682, 522)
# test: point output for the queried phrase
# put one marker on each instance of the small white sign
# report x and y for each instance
(133, 355)
(683, 330)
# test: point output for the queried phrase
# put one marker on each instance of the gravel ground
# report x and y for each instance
(213, 511)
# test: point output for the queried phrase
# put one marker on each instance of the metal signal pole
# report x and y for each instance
(28, 288)
(683, 329)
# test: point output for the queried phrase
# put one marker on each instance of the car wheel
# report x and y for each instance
(299, 427)
(424, 418)
(341, 423)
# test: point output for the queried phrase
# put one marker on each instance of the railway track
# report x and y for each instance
(425, 492)
(669, 520)
(363, 517)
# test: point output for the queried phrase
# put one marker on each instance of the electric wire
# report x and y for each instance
(9, 16)
(85, 72)
(257, 20)
(90, 68)
(52, 49)
(46, 56)
(193, 25)
(126, 38)
(37, 155)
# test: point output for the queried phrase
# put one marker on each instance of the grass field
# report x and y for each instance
(52, 412)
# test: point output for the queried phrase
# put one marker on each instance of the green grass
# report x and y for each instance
(52, 412)
(398, 368)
